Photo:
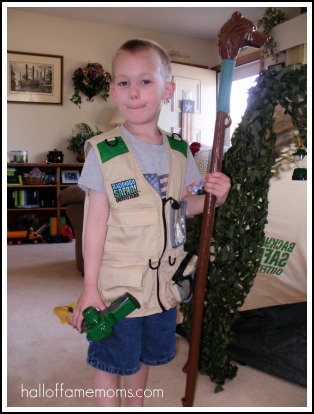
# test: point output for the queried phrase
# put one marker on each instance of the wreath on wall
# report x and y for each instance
(239, 223)
(92, 80)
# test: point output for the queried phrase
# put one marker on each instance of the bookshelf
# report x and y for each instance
(37, 204)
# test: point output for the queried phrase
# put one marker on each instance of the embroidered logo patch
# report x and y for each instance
(125, 190)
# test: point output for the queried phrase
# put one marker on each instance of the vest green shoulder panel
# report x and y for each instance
(109, 149)
(178, 145)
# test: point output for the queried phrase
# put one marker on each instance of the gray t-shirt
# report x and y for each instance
(152, 160)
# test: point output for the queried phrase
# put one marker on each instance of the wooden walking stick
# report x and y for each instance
(236, 33)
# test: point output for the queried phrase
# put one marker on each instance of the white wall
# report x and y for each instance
(291, 33)
(42, 128)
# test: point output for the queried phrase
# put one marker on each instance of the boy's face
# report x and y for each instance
(139, 86)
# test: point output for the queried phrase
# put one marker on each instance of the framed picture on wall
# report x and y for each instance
(70, 176)
(34, 78)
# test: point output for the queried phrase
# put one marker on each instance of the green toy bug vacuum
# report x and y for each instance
(98, 325)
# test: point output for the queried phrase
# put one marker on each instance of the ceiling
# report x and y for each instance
(196, 22)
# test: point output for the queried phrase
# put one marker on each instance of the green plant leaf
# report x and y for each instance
(76, 142)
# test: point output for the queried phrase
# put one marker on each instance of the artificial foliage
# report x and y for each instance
(239, 223)
(92, 80)
(76, 142)
(271, 18)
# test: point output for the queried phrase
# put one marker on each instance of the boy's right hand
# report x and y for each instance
(89, 297)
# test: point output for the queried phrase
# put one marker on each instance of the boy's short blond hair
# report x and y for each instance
(136, 45)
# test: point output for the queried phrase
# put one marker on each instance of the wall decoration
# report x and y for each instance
(177, 53)
(272, 17)
(34, 78)
(186, 89)
(91, 80)
(187, 123)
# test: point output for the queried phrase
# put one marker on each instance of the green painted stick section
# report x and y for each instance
(225, 84)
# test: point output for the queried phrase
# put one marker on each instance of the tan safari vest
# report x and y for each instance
(138, 256)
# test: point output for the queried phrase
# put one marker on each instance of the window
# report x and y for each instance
(243, 79)
(238, 100)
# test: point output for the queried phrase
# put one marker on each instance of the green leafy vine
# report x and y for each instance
(271, 18)
(239, 223)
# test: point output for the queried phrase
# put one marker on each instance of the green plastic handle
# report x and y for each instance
(98, 325)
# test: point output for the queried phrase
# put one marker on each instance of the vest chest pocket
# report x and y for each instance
(133, 232)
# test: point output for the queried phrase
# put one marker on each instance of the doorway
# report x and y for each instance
(201, 83)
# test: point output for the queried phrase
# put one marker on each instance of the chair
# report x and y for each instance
(73, 198)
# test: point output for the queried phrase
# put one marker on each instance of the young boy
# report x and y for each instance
(133, 177)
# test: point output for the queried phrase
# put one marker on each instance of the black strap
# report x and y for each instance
(178, 274)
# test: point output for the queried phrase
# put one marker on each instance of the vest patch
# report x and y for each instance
(109, 149)
(125, 190)
(178, 145)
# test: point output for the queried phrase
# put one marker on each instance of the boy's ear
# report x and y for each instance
(169, 91)
(112, 93)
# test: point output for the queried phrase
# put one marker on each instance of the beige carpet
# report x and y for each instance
(44, 356)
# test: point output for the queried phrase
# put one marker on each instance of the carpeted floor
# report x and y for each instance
(46, 361)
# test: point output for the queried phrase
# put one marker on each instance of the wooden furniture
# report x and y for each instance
(39, 201)
(72, 198)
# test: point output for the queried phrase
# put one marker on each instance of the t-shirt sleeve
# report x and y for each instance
(91, 176)
(192, 172)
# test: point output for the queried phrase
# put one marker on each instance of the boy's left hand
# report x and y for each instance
(219, 185)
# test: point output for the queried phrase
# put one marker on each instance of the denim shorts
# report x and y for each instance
(149, 340)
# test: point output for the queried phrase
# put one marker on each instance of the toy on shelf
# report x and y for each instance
(98, 324)
(22, 236)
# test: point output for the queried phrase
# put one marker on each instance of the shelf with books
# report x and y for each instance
(37, 204)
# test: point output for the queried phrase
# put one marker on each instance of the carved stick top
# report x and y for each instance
(236, 33)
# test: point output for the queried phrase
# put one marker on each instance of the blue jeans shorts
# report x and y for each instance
(149, 340)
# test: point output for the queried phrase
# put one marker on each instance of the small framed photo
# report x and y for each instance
(50, 178)
(70, 176)
(34, 78)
